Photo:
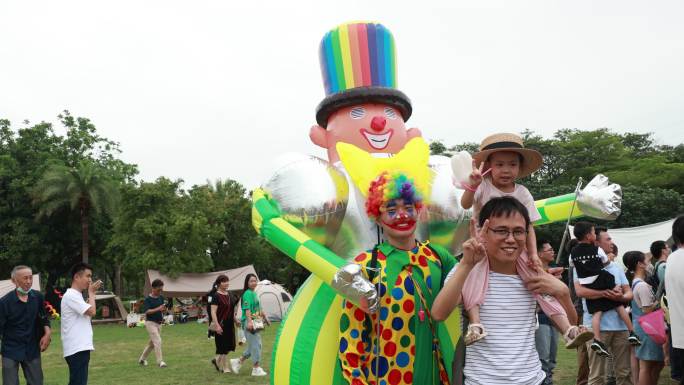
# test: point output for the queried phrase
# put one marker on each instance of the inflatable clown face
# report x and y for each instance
(372, 127)
(362, 105)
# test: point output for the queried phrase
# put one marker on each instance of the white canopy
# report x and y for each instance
(197, 284)
(6, 286)
(640, 238)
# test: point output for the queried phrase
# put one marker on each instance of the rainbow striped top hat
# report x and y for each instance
(358, 62)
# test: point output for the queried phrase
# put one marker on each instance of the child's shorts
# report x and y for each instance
(604, 281)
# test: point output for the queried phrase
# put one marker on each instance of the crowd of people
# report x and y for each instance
(515, 301)
(25, 326)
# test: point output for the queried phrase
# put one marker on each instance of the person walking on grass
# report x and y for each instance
(24, 329)
(252, 323)
(77, 331)
(222, 309)
(154, 317)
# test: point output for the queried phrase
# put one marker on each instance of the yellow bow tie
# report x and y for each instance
(412, 160)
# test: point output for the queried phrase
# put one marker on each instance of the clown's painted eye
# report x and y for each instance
(390, 113)
(357, 112)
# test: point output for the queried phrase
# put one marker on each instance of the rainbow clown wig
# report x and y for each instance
(389, 186)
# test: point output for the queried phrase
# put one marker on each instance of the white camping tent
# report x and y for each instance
(197, 284)
(6, 285)
(639, 238)
(274, 299)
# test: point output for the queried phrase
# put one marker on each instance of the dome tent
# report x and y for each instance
(274, 299)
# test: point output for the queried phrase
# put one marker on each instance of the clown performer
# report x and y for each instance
(400, 342)
(313, 210)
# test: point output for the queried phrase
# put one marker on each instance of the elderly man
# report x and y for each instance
(25, 330)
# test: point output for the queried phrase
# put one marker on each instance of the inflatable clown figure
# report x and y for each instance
(314, 210)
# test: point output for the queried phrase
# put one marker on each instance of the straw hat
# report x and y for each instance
(532, 159)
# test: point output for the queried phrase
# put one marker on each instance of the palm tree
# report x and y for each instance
(87, 188)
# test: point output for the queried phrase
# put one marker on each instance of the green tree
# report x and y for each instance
(233, 240)
(86, 189)
(158, 228)
(52, 244)
(438, 148)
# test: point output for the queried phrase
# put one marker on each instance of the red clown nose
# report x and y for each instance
(378, 123)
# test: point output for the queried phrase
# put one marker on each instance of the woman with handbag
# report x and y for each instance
(252, 323)
(651, 352)
(222, 310)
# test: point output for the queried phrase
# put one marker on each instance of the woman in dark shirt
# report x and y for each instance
(222, 309)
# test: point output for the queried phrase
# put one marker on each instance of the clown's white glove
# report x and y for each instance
(350, 282)
(601, 199)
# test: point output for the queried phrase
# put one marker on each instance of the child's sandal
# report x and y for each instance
(582, 335)
(475, 333)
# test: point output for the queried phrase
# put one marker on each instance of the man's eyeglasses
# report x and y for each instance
(518, 234)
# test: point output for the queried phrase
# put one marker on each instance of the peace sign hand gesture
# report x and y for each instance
(475, 177)
(473, 249)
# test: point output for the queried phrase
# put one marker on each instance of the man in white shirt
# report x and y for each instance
(77, 332)
(674, 284)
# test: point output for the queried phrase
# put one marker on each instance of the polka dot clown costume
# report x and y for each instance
(400, 342)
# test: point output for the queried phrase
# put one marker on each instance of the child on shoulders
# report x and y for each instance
(505, 159)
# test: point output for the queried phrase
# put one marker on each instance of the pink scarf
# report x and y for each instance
(475, 286)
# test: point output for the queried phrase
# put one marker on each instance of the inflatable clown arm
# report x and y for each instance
(600, 199)
(316, 258)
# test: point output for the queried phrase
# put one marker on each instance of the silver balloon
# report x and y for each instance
(311, 194)
(600, 199)
(447, 222)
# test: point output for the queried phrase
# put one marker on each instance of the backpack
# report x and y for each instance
(655, 282)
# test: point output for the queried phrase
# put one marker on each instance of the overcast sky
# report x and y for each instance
(204, 90)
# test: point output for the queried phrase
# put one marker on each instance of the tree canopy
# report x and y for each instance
(47, 179)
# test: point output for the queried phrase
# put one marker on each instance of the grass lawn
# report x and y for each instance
(187, 351)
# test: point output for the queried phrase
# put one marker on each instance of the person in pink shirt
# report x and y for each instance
(504, 157)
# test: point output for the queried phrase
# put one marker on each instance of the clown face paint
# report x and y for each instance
(398, 219)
